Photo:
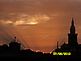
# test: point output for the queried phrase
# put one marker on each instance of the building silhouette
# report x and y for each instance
(14, 45)
(72, 45)
(72, 36)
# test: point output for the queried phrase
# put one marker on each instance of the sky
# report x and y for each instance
(39, 24)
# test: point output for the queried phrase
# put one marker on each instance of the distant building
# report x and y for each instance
(72, 45)
(14, 45)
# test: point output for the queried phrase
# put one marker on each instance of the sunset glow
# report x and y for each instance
(39, 24)
(30, 20)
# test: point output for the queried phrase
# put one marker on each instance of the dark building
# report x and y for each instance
(72, 45)
(72, 36)
(14, 45)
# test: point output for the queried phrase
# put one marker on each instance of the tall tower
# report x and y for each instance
(72, 36)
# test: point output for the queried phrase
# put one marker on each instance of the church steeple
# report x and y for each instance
(72, 36)
(72, 28)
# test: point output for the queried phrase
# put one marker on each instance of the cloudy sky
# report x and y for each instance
(38, 24)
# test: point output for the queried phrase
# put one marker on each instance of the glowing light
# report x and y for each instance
(61, 53)
(32, 20)
(27, 20)
(6, 22)
(33, 23)
(19, 22)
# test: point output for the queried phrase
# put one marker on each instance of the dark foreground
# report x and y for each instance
(28, 55)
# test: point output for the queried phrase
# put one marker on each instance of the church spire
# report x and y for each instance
(72, 28)
(72, 36)
(72, 22)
